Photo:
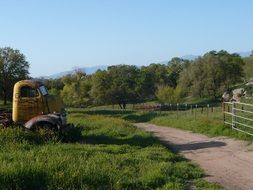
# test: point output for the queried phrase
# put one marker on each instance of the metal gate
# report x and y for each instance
(239, 116)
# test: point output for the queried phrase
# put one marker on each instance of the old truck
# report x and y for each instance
(32, 106)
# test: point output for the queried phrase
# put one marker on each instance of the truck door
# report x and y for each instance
(28, 105)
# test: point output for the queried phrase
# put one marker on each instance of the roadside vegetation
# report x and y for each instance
(212, 125)
(248, 67)
(206, 77)
(197, 120)
(249, 101)
(100, 152)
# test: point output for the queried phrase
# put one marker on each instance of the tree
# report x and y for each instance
(248, 67)
(122, 84)
(116, 85)
(100, 91)
(251, 53)
(145, 85)
(151, 77)
(76, 90)
(54, 86)
(249, 90)
(13, 67)
(155, 75)
(212, 74)
(167, 94)
(175, 67)
(54, 83)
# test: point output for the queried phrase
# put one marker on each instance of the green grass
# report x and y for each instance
(205, 101)
(110, 107)
(211, 124)
(247, 100)
(100, 152)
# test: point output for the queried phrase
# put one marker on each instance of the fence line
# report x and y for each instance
(242, 123)
(176, 107)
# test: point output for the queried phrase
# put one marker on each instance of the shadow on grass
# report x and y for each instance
(130, 115)
(140, 118)
(195, 146)
(115, 113)
(24, 179)
(136, 140)
(73, 134)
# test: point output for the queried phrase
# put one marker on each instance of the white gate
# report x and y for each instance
(239, 116)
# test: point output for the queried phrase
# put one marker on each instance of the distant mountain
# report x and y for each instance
(87, 70)
(245, 53)
(190, 57)
(91, 70)
(164, 62)
(193, 57)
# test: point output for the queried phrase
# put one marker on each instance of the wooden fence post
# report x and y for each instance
(177, 109)
(233, 115)
(196, 110)
(207, 110)
(223, 110)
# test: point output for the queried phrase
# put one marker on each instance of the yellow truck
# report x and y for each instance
(32, 106)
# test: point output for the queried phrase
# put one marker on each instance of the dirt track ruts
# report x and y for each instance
(226, 161)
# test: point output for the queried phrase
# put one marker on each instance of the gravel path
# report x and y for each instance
(226, 161)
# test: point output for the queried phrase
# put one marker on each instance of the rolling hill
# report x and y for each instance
(90, 70)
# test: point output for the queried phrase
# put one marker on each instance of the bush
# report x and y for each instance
(167, 94)
(249, 90)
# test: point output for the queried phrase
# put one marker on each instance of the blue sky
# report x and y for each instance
(58, 35)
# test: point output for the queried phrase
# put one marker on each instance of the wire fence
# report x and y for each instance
(202, 108)
(235, 114)
(180, 109)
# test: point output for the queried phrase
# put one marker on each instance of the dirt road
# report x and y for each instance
(226, 161)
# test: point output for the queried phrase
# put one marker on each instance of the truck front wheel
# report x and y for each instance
(45, 126)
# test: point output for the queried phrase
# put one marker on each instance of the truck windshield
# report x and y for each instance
(43, 90)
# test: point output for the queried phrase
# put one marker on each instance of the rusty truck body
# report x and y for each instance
(33, 106)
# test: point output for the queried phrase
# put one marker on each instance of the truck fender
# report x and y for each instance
(50, 118)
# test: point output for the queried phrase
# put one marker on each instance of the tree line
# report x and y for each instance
(208, 76)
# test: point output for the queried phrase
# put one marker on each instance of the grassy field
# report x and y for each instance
(210, 123)
(249, 100)
(100, 152)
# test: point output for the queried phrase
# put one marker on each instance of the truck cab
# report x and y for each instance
(32, 105)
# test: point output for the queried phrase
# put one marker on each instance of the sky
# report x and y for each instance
(59, 35)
